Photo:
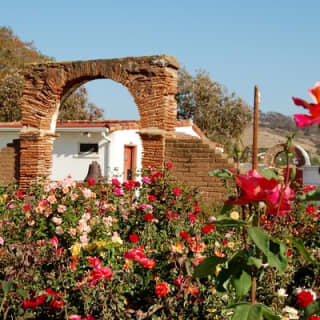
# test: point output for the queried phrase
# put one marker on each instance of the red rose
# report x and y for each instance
(208, 228)
(162, 289)
(92, 181)
(133, 237)
(56, 304)
(169, 165)
(177, 191)
(147, 263)
(184, 235)
(152, 197)
(19, 193)
(304, 298)
(54, 294)
(27, 207)
(314, 318)
(148, 217)
(33, 303)
(310, 209)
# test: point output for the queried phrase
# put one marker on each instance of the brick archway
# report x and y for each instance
(273, 152)
(152, 81)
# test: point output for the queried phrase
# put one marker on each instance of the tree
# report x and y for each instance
(220, 115)
(14, 54)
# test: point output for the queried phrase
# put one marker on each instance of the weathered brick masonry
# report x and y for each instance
(9, 163)
(152, 81)
(192, 159)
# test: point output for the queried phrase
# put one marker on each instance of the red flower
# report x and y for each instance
(53, 294)
(152, 197)
(177, 191)
(134, 254)
(148, 217)
(33, 303)
(179, 280)
(197, 210)
(208, 228)
(184, 235)
(133, 237)
(255, 188)
(27, 207)
(56, 304)
(54, 241)
(314, 318)
(116, 182)
(304, 298)
(162, 289)
(147, 263)
(310, 209)
(19, 193)
(303, 120)
(92, 182)
(289, 253)
(224, 242)
(89, 317)
(169, 165)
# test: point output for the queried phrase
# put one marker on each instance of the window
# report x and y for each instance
(87, 148)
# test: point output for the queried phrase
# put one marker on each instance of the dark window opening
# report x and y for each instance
(89, 148)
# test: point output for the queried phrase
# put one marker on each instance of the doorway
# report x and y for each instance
(130, 156)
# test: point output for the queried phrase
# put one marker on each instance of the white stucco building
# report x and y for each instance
(114, 144)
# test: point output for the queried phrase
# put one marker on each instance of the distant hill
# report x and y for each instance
(274, 127)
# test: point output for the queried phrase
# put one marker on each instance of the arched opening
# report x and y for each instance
(106, 133)
(152, 82)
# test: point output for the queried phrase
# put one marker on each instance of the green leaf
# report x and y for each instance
(269, 314)
(269, 174)
(312, 308)
(242, 283)
(253, 261)
(298, 244)
(248, 311)
(221, 173)
(6, 286)
(293, 173)
(226, 222)
(226, 208)
(207, 267)
(272, 248)
(313, 195)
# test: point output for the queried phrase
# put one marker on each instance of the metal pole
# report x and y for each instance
(255, 128)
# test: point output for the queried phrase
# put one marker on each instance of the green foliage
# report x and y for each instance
(247, 311)
(220, 115)
(14, 55)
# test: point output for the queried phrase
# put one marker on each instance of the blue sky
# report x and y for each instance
(274, 44)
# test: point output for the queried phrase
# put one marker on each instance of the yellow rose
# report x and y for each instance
(234, 215)
(75, 249)
(230, 244)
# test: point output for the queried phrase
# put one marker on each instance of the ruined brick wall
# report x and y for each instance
(9, 162)
(152, 81)
(192, 159)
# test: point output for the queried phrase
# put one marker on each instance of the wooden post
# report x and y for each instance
(255, 128)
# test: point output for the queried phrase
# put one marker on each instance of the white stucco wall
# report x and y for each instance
(187, 130)
(311, 175)
(115, 159)
(7, 137)
(67, 160)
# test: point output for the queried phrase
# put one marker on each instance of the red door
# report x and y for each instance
(129, 162)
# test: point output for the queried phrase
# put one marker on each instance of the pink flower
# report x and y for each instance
(74, 317)
(255, 188)
(54, 241)
(61, 208)
(118, 192)
(1, 241)
(303, 120)
(89, 317)
(146, 180)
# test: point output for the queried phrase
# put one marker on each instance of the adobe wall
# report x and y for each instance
(152, 81)
(9, 164)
